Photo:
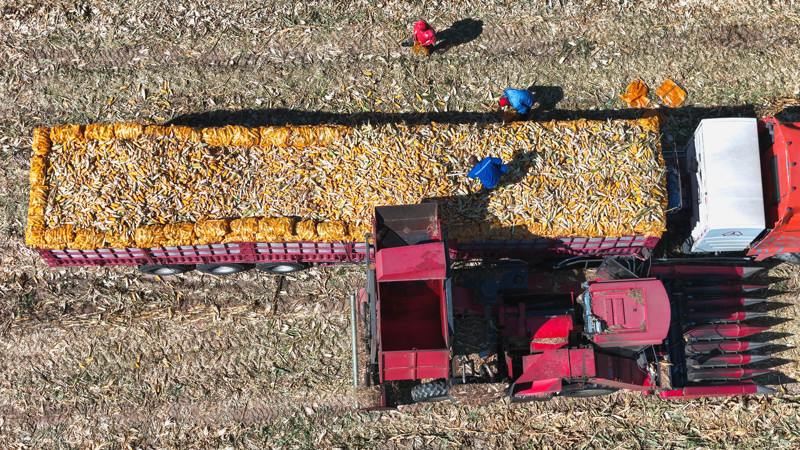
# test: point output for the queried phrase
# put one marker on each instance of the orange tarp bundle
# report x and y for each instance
(128, 130)
(636, 95)
(41, 141)
(243, 230)
(59, 238)
(99, 131)
(35, 231)
(38, 169)
(119, 240)
(671, 94)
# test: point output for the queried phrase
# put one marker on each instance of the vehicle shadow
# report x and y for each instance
(790, 114)
(460, 32)
(677, 124)
(487, 225)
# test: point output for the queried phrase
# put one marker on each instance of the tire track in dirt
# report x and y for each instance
(202, 373)
(494, 43)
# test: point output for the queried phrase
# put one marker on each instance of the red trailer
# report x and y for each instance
(677, 332)
(285, 257)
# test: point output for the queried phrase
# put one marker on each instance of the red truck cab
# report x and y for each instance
(744, 175)
(780, 154)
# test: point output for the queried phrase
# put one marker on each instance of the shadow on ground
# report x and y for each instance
(678, 125)
(460, 32)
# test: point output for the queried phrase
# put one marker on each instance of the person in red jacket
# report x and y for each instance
(422, 38)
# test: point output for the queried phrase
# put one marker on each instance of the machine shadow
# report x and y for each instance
(677, 125)
(460, 32)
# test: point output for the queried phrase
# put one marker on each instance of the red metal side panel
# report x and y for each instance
(619, 372)
(558, 363)
(97, 257)
(415, 365)
(234, 252)
(719, 390)
(783, 157)
(783, 239)
(414, 262)
(556, 248)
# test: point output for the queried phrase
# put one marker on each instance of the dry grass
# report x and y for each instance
(225, 364)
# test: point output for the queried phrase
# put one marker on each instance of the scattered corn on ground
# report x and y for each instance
(127, 185)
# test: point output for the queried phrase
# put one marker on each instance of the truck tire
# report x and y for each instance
(435, 391)
(280, 268)
(165, 270)
(222, 269)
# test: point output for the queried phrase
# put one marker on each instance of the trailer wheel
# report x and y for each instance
(435, 391)
(223, 268)
(280, 268)
(589, 390)
(165, 270)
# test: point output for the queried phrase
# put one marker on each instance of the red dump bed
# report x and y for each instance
(412, 319)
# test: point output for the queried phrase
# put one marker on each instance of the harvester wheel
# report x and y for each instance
(165, 270)
(435, 391)
(223, 268)
(280, 268)
(589, 390)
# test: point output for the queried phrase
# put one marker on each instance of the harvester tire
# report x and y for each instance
(435, 391)
(281, 268)
(222, 269)
(165, 270)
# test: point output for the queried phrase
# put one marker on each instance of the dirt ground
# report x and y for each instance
(105, 357)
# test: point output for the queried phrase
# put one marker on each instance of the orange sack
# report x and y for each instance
(636, 95)
(671, 94)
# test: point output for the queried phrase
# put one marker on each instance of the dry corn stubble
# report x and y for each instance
(181, 186)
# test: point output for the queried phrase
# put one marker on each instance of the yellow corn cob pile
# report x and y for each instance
(128, 185)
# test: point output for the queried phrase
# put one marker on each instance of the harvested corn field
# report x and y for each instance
(127, 185)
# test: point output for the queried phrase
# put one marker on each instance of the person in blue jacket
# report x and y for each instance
(489, 171)
(521, 100)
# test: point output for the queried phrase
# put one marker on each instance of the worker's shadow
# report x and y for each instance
(485, 223)
(547, 97)
(460, 32)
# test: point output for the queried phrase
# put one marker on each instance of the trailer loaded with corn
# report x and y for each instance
(280, 199)
(170, 199)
